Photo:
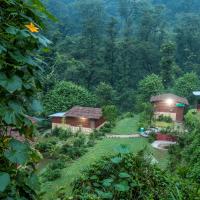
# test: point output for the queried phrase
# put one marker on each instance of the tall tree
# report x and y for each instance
(91, 14)
(106, 95)
(66, 95)
(187, 39)
(152, 26)
(186, 84)
(127, 11)
(167, 62)
(111, 50)
(149, 86)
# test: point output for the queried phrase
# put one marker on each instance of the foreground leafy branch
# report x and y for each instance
(20, 40)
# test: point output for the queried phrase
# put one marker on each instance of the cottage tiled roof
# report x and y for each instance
(86, 112)
(163, 97)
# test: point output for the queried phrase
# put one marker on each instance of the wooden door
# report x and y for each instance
(179, 114)
(92, 124)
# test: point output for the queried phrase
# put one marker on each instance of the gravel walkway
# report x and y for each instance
(123, 136)
(162, 145)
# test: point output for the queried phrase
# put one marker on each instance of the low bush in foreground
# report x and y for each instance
(106, 128)
(130, 177)
(58, 164)
(52, 174)
(62, 133)
(46, 148)
(72, 151)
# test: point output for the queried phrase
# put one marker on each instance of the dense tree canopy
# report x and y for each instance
(185, 85)
(113, 54)
(121, 42)
(106, 95)
(65, 95)
(149, 86)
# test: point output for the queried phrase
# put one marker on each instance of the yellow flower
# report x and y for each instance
(32, 28)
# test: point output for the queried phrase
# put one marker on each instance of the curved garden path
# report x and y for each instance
(123, 136)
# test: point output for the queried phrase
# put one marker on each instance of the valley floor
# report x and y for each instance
(103, 147)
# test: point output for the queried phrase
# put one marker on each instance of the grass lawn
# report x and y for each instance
(102, 148)
(127, 126)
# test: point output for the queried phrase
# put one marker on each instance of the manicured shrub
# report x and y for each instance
(76, 152)
(52, 175)
(73, 152)
(64, 158)
(44, 147)
(93, 135)
(164, 118)
(91, 143)
(97, 134)
(107, 127)
(53, 142)
(44, 124)
(110, 113)
(192, 119)
(65, 134)
(57, 164)
(64, 149)
(56, 131)
(79, 141)
(152, 137)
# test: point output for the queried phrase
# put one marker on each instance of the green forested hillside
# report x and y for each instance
(120, 42)
(111, 54)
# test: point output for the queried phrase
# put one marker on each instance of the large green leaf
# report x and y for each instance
(4, 181)
(11, 84)
(104, 195)
(44, 41)
(14, 83)
(94, 177)
(16, 107)
(2, 49)
(116, 160)
(3, 79)
(29, 60)
(40, 7)
(24, 33)
(17, 152)
(9, 117)
(12, 30)
(121, 187)
(107, 182)
(33, 182)
(35, 155)
(36, 105)
(124, 175)
(19, 57)
(122, 149)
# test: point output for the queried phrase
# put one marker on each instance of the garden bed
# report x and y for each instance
(165, 137)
